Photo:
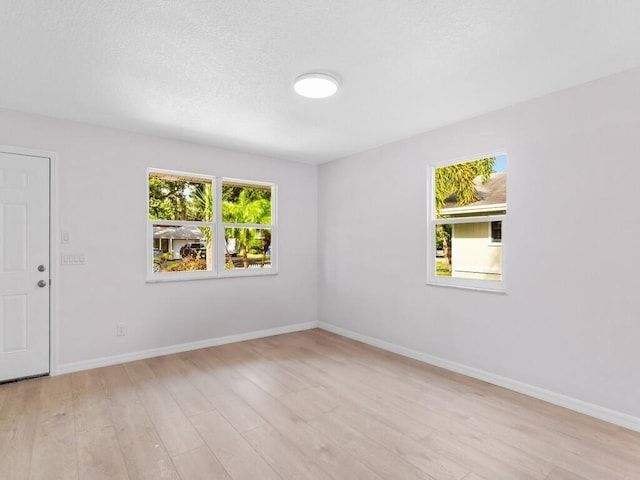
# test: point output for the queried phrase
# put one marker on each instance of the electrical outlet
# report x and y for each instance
(120, 330)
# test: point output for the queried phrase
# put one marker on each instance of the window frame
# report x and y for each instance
(496, 286)
(218, 269)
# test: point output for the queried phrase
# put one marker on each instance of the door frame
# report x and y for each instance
(54, 247)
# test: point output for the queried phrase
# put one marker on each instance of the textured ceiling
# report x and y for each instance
(220, 72)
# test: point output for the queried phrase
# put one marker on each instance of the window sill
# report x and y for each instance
(195, 277)
(479, 287)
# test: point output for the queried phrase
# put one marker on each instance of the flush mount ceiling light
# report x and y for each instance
(315, 85)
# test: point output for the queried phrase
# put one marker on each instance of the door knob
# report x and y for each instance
(42, 283)
(41, 268)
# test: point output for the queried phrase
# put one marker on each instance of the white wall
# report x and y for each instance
(570, 321)
(102, 200)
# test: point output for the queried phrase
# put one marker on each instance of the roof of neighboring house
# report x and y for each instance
(177, 233)
(493, 196)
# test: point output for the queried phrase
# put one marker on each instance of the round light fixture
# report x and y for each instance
(315, 85)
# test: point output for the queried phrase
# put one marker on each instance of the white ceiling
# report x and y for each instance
(220, 72)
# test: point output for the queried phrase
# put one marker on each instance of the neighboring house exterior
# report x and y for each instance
(476, 248)
(172, 239)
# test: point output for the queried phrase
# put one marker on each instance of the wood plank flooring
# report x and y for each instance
(307, 405)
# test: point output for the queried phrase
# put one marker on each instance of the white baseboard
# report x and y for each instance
(606, 414)
(183, 347)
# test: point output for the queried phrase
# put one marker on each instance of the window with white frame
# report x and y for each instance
(247, 223)
(468, 208)
(201, 226)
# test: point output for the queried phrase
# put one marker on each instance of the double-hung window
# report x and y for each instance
(467, 214)
(248, 223)
(202, 226)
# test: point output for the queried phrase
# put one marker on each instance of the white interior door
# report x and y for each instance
(24, 265)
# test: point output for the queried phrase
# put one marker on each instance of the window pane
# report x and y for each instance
(246, 203)
(471, 188)
(467, 250)
(180, 197)
(496, 231)
(181, 248)
(247, 248)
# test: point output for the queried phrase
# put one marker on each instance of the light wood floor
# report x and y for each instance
(300, 406)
